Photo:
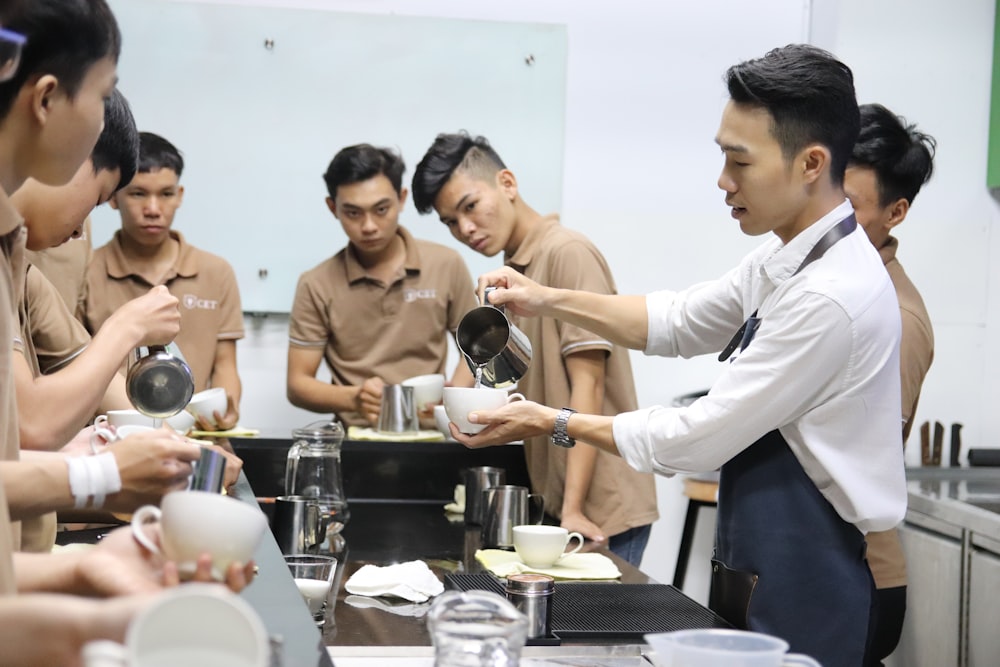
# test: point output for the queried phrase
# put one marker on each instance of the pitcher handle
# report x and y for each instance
(486, 300)
(541, 507)
(798, 659)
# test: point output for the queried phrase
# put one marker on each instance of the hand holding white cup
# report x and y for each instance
(460, 401)
(197, 522)
(544, 546)
(205, 404)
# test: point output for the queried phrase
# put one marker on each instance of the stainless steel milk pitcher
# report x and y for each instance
(158, 383)
(497, 352)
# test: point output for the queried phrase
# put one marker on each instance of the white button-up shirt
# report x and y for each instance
(823, 369)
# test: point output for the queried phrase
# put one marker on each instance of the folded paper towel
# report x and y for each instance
(414, 609)
(458, 505)
(574, 566)
(411, 581)
(367, 433)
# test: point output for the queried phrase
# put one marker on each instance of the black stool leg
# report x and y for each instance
(687, 536)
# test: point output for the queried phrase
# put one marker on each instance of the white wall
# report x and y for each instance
(641, 170)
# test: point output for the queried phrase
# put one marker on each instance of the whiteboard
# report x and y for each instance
(259, 99)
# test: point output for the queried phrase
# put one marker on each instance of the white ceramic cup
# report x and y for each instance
(441, 420)
(182, 422)
(544, 546)
(103, 436)
(198, 624)
(427, 390)
(460, 401)
(119, 418)
(206, 403)
(197, 522)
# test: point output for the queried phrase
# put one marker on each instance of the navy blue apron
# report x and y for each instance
(786, 563)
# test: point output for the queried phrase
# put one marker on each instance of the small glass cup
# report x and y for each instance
(314, 576)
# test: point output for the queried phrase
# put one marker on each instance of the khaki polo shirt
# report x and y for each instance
(12, 238)
(916, 352)
(49, 336)
(368, 328)
(620, 498)
(204, 283)
(66, 267)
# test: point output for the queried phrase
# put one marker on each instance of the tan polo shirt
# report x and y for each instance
(368, 328)
(12, 238)
(620, 498)
(916, 352)
(204, 283)
(66, 267)
(49, 336)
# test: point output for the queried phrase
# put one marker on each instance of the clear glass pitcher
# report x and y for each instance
(313, 470)
(476, 629)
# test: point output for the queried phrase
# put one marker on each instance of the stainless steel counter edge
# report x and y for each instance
(561, 652)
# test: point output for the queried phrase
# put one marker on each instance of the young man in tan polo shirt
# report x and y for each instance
(146, 252)
(890, 162)
(381, 309)
(51, 109)
(589, 491)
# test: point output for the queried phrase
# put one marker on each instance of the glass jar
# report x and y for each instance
(476, 629)
(313, 470)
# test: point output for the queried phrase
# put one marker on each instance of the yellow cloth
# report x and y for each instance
(575, 566)
(368, 433)
(236, 432)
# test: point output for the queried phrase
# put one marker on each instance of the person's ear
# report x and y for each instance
(43, 94)
(814, 160)
(180, 195)
(331, 204)
(897, 212)
(507, 183)
(403, 193)
(113, 202)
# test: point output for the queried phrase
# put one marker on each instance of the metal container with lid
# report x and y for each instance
(531, 594)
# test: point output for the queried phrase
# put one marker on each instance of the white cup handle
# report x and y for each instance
(515, 397)
(579, 544)
(100, 420)
(100, 433)
(139, 519)
(798, 659)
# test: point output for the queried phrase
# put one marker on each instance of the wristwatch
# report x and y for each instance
(559, 435)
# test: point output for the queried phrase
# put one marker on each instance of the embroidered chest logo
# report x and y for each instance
(412, 295)
(191, 302)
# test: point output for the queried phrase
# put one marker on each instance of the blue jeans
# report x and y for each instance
(631, 544)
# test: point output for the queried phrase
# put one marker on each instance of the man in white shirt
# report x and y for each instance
(804, 419)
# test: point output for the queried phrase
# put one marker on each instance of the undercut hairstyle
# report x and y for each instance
(157, 153)
(118, 145)
(901, 156)
(355, 164)
(450, 153)
(810, 97)
(64, 38)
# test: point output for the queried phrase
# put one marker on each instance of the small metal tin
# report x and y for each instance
(531, 594)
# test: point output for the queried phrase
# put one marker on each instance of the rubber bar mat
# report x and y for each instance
(588, 610)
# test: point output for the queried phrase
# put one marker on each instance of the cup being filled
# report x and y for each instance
(314, 576)
(197, 522)
(544, 546)
(460, 401)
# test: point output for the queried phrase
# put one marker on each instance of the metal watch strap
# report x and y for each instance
(560, 436)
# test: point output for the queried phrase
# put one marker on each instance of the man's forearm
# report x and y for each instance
(318, 396)
(36, 485)
(619, 319)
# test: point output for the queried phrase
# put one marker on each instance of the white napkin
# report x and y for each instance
(411, 581)
(414, 609)
(458, 505)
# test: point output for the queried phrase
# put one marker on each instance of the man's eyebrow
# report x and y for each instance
(731, 148)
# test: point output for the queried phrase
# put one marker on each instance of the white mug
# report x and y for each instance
(105, 436)
(460, 401)
(197, 522)
(544, 546)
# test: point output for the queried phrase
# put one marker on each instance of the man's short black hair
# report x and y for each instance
(355, 164)
(901, 156)
(118, 145)
(450, 153)
(157, 153)
(65, 38)
(810, 96)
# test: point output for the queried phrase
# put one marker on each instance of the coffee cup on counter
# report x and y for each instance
(197, 522)
(544, 546)
(460, 401)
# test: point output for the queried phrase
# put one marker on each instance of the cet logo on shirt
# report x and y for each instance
(411, 295)
(191, 302)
